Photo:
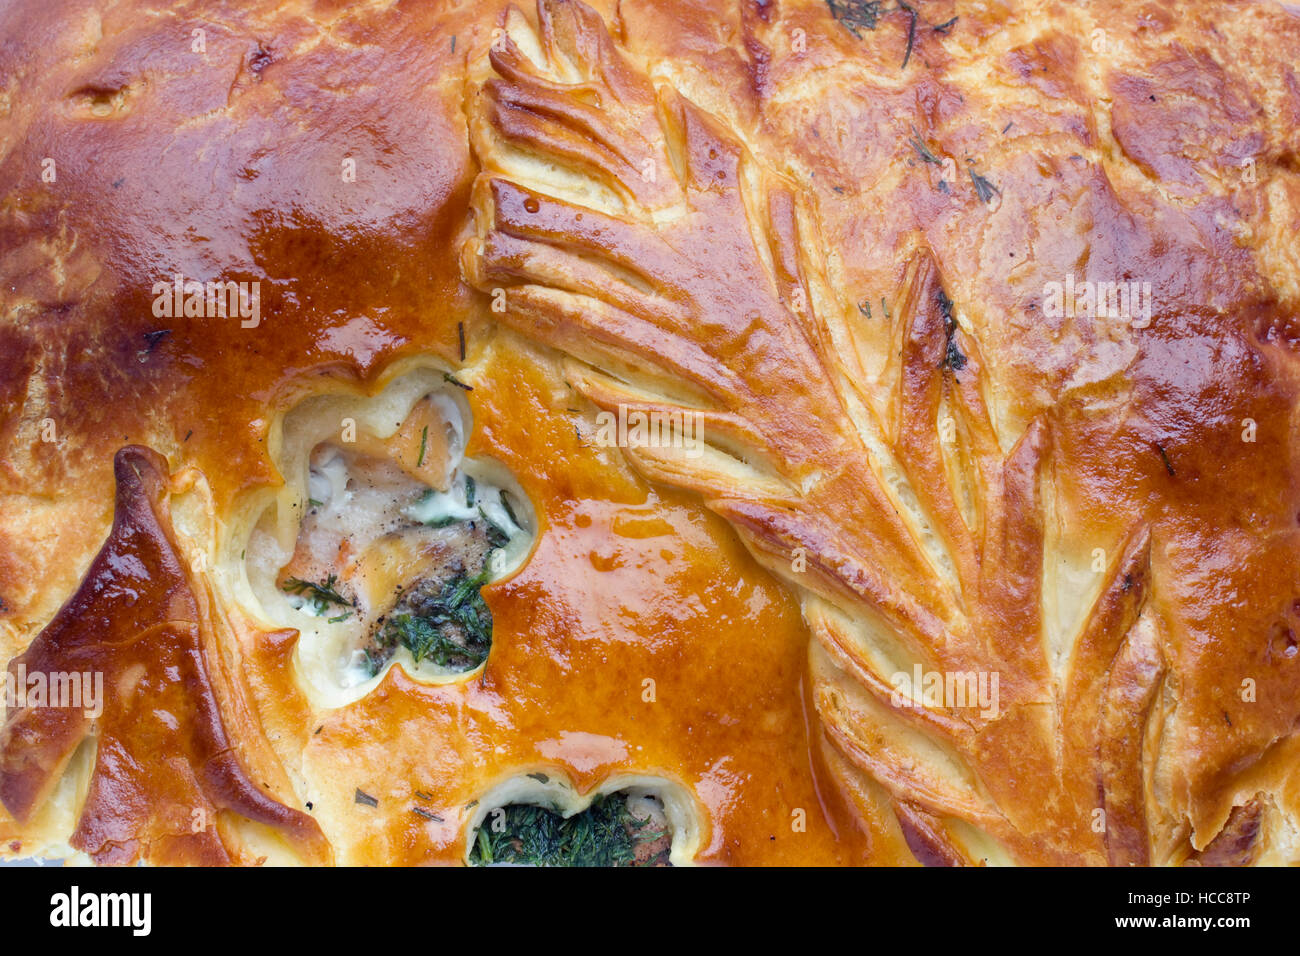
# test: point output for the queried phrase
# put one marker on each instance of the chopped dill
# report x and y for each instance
(865, 308)
(364, 798)
(945, 26)
(457, 382)
(605, 834)
(319, 596)
(450, 627)
(424, 441)
(855, 15)
(460, 326)
(444, 620)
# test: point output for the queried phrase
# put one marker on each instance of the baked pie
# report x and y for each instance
(651, 433)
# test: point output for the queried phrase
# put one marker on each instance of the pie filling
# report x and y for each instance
(624, 828)
(397, 536)
(397, 562)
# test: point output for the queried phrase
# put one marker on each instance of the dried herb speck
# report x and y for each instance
(1169, 465)
(952, 355)
(922, 150)
(855, 15)
(983, 188)
(911, 33)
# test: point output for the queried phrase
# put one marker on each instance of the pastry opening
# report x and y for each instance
(537, 819)
(391, 535)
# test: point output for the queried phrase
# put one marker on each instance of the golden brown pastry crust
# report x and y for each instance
(799, 175)
(177, 742)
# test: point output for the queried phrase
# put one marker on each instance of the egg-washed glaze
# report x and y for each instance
(982, 159)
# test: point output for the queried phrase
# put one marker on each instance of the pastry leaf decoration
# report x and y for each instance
(636, 234)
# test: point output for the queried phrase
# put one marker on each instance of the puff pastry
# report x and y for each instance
(330, 338)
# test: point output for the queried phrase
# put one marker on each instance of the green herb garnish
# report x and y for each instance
(457, 382)
(605, 834)
(451, 627)
(855, 15)
(319, 596)
(424, 441)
